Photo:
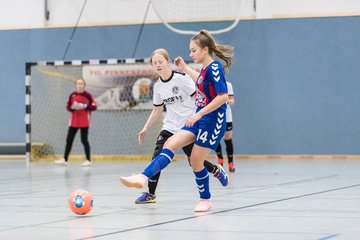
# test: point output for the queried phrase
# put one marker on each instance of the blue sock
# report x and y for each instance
(159, 163)
(202, 182)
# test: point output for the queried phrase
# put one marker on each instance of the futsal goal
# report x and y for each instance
(122, 89)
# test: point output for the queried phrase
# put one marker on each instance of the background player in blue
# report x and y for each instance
(175, 91)
(207, 126)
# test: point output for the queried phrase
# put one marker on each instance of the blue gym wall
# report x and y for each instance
(296, 81)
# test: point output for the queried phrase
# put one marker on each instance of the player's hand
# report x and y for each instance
(75, 106)
(180, 63)
(82, 105)
(141, 135)
(193, 119)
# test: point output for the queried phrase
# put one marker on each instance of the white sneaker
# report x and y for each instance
(87, 163)
(204, 205)
(137, 181)
(61, 162)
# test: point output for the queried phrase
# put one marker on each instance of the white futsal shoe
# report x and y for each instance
(61, 162)
(87, 163)
(137, 181)
(204, 205)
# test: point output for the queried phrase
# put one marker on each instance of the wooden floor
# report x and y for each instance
(266, 199)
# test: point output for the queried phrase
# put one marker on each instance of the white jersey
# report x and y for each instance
(229, 117)
(177, 95)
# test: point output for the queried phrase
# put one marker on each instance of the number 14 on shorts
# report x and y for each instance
(202, 136)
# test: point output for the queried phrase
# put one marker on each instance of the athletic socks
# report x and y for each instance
(219, 152)
(211, 168)
(153, 181)
(159, 163)
(202, 182)
(229, 150)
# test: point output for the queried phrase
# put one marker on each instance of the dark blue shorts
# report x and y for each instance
(209, 129)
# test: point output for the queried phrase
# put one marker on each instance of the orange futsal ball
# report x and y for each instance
(80, 202)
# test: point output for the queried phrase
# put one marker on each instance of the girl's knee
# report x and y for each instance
(171, 146)
(196, 165)
(227, 136)
(85, 142)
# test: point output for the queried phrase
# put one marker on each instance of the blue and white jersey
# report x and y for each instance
(210, 83)
(210, 128)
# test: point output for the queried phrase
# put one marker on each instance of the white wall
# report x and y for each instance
(30, 13)
(317, 7)
(21, 14)
(66, 12)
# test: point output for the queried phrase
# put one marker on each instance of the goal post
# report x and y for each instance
(122, 89)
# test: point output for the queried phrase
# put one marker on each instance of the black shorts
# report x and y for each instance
(164, 135)
(229, 126)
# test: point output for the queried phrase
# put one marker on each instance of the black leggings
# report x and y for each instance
(84, 140)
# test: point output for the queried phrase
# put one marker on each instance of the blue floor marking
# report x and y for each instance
(328, 237)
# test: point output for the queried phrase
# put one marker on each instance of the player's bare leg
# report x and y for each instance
(178, 140)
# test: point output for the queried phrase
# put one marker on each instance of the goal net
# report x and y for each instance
(122, 90)
(190, 16)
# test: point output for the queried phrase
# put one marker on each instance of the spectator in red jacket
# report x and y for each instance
(80, 105)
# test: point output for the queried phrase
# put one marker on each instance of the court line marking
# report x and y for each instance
(47, 177)
(292, 182)
(263, 187)
(215, 195)
(328, 237)
(64, 220)
(274, 186)
(219, 212)
(277, 185)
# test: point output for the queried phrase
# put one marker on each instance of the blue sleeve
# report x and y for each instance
(217, 78)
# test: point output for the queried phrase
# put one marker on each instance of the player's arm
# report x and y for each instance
(217, 102)
(231, 93)
(231, 100)
(92, 104)
(69, 104)
(155, 114)
(182, 66)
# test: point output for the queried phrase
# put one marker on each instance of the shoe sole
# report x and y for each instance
(147, 202)
(61, 164)
(203, 210)
(131, 184)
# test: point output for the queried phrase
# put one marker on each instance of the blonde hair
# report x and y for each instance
(162, 52)
(224, 52)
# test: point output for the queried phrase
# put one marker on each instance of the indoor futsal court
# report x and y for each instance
(287, 199)
(247, 108)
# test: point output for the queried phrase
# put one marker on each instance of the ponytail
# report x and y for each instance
(224, 52)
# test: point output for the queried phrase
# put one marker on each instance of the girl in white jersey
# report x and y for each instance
(228, 133)
(175, 91)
